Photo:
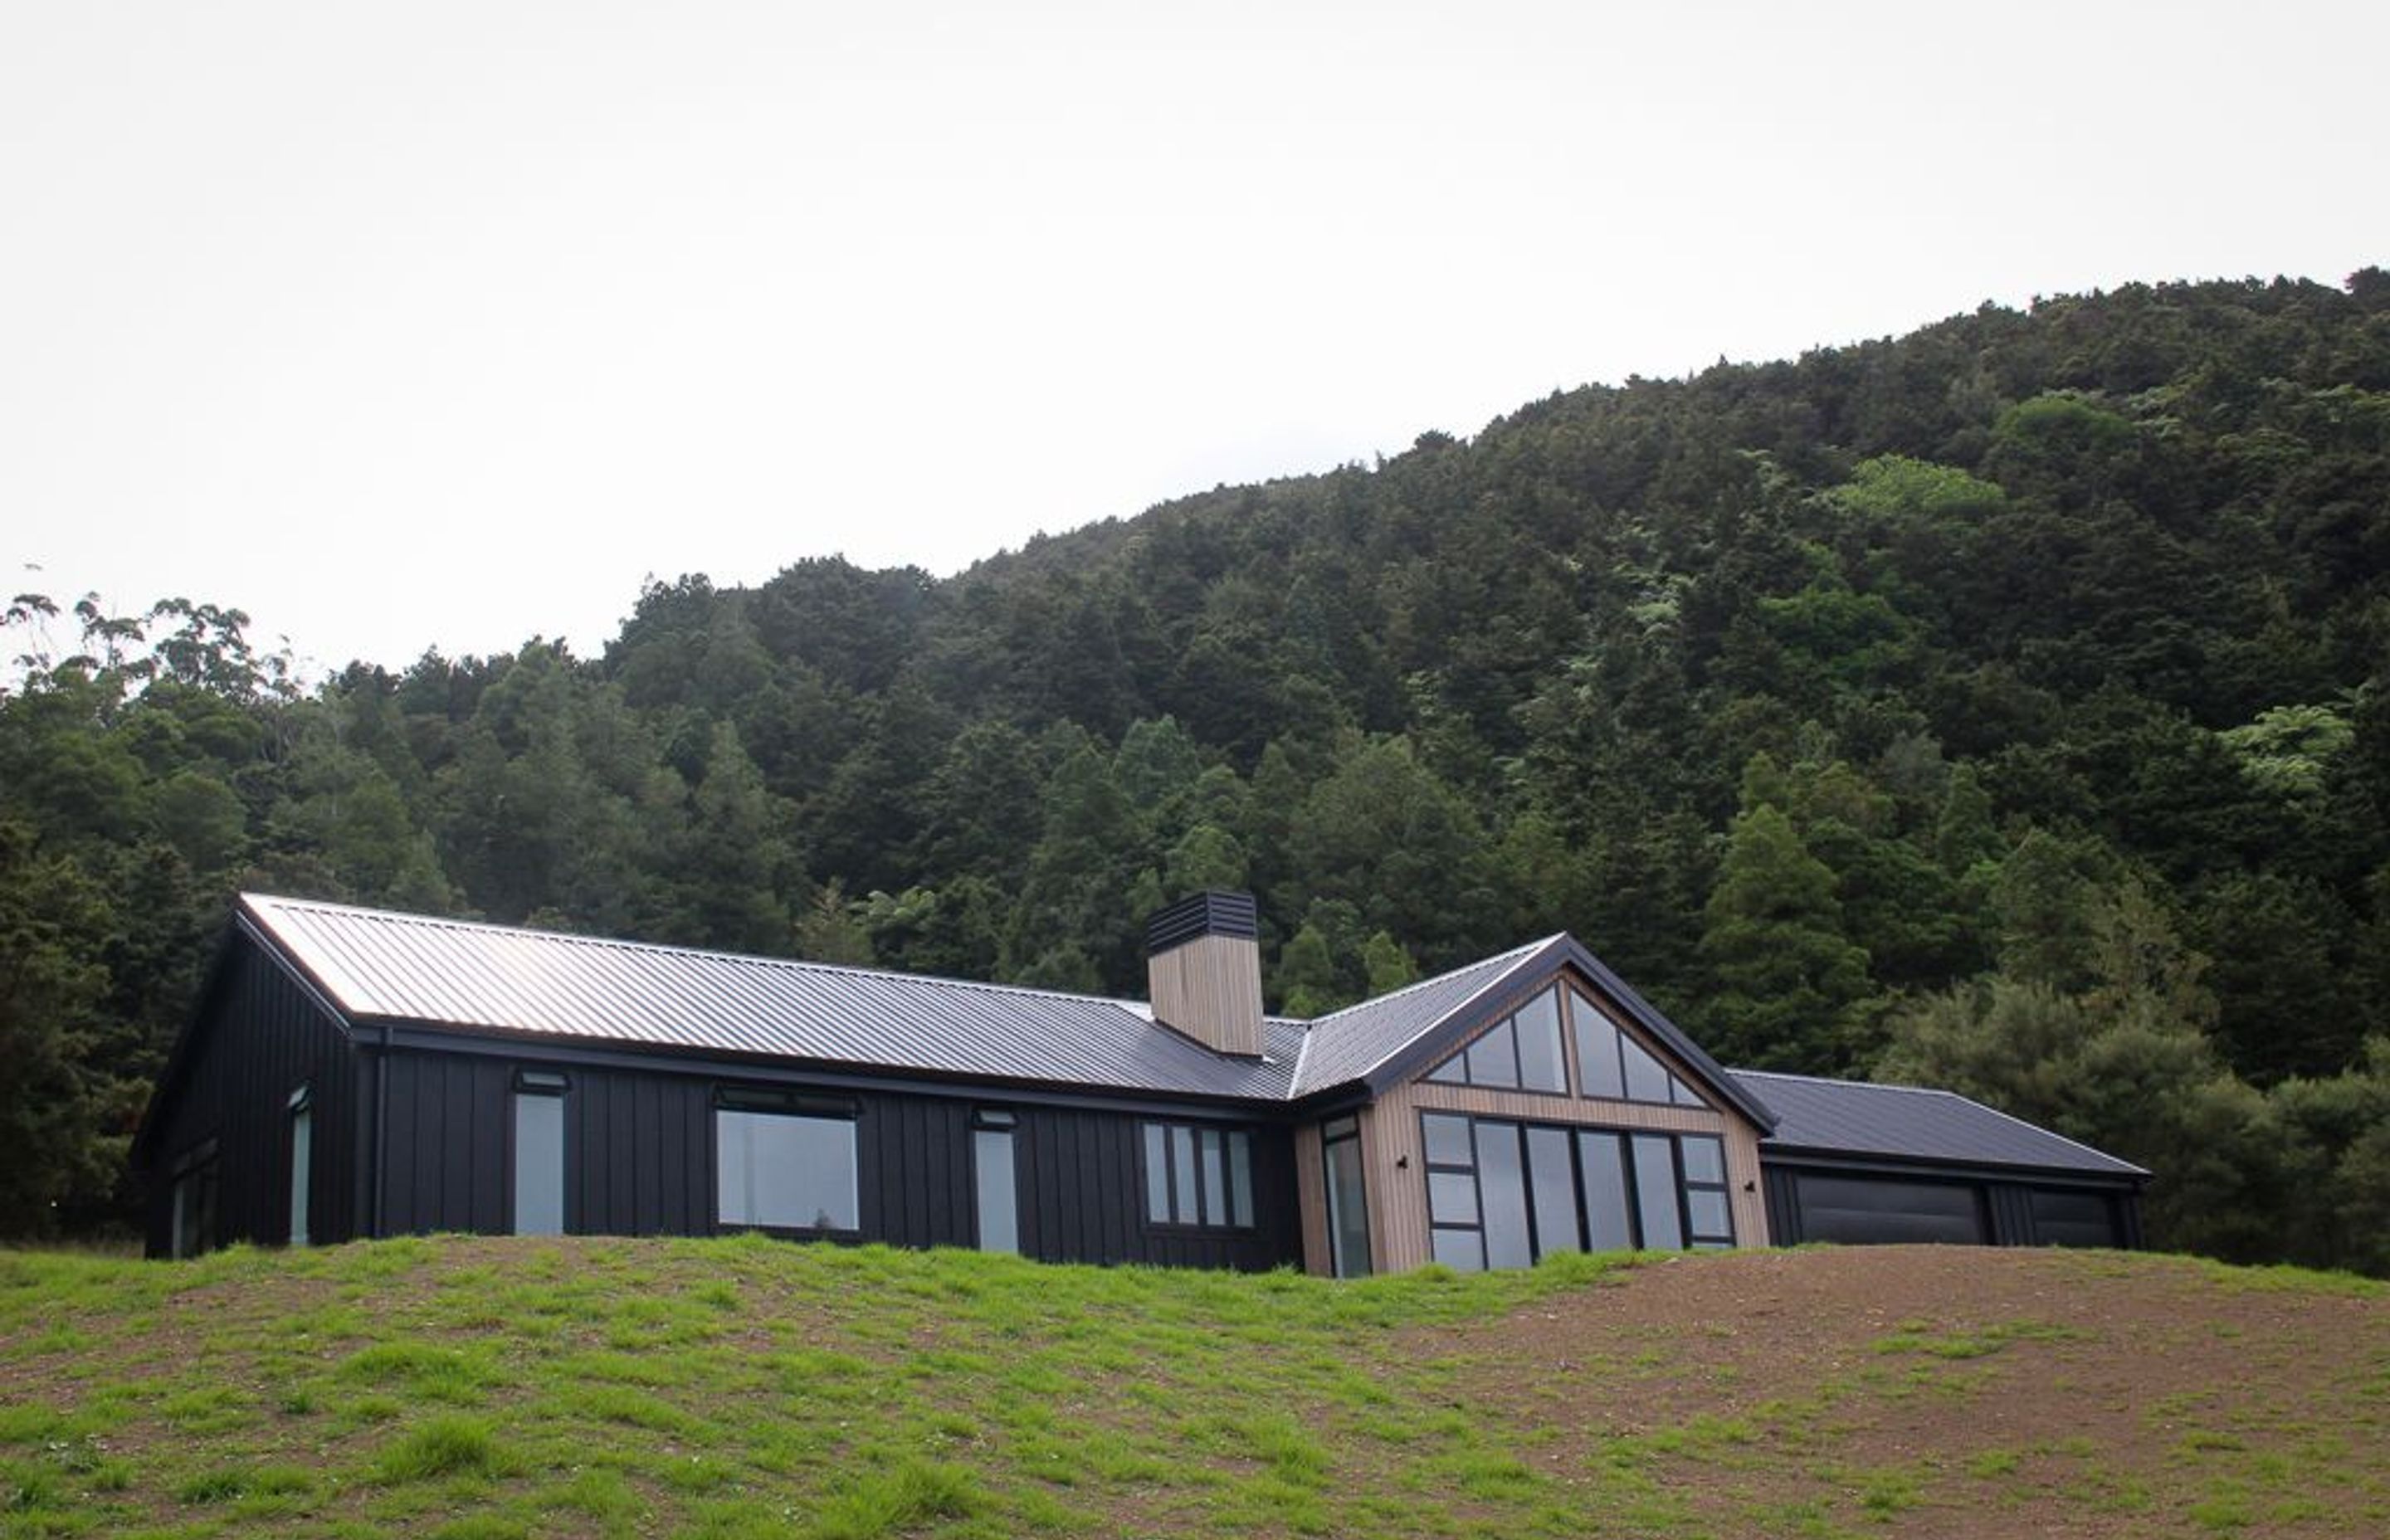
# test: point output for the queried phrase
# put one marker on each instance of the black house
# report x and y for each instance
(350, 1073)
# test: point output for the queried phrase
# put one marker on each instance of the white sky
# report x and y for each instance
(423, 323)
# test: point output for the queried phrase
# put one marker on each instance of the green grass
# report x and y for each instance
(746, 1387)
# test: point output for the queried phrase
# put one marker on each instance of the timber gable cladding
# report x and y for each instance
(440, 1075)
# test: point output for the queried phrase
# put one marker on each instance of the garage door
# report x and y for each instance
(2074, 1218)
(1858, 1211)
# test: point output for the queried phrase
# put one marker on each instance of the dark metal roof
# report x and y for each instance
(485, 977)
(1847, 1117)
(1345, 1046)
(376, 965)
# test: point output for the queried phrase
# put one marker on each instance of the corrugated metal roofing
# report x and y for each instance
(490, 977)
(1345, 1046)
(1848, 1117)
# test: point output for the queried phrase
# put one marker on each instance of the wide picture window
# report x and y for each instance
(1502, 1194)
(785, 1163)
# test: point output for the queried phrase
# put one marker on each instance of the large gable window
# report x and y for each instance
(1522, 1052)
(1614, 1067)
(1200, 1175)
(1502, 1194)
(785, 1163)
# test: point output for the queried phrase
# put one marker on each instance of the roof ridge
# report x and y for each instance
(1845, 1080)
(1417, 984)
(619, 944)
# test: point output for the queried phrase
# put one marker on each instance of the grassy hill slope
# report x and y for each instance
(492, 1387)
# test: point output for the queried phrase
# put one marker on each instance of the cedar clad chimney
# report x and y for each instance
(1203, 958)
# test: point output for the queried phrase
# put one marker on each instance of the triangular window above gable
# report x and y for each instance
(1522, 1052)
(1617, 1068)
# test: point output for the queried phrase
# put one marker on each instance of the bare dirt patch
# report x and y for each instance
(1948, 1391)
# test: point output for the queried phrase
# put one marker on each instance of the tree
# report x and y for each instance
(1789, 987)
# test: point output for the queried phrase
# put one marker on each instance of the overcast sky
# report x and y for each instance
(424, 324)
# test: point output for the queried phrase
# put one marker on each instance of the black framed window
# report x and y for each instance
(1348, 1202)
(303, 1163)
(1199, 1175)
(539, 1152)
(1522, 1052)
(1612, 1066)
(192, 1220)
(995, 1177)
(1501, 1193)
(785, 1162)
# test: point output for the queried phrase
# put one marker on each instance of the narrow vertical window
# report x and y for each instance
(303, 1162)
(991, 1164)
(1157, 1173)
(1241, 1177)
(1655, 1192)
(194, 1219)
(1502, 1195)
(1348, 1208)
(539, 1153)
(1552, 1181)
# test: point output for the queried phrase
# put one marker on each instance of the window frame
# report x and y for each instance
(1630, 1171)
(990, 1127)
(1334, 1134)
(299, 1151)
(1182, 1191)
(769, 1102)
(553, 1086)
(1498, 1043)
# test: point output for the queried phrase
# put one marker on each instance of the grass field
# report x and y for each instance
(479, 1387)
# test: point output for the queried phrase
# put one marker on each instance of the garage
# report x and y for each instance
(1856, 1165)
(1854, 1210)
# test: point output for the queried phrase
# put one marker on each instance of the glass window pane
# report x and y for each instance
(1452, 1197)
(1503, 1189)
(1452, 1071)
(303, 1162)
(1348, 1215)
(1655, 1192)
(1182, 1175)
(999, 1215)
(1552, 1183)
(1712, 1219)
(1448, 1140)
(1157, 1176)
(539, 1164)
(1462, 1250)
(1647, 1080)
(1597, 1051)
(1241, 1177)
(1492, 1060)
(1605, 1192)
(792, 1173)
(1541, 1066)
(1704, 1159)
(1213, 1164)
(1683, 1094)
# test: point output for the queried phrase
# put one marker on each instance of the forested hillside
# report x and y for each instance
(2005, 706)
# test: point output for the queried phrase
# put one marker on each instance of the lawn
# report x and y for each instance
(495, 1388)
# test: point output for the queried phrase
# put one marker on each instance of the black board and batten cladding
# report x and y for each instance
(639, 1157)
(267, 1037)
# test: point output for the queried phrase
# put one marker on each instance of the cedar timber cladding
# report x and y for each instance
(664, 1091)
(1396, 1164)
